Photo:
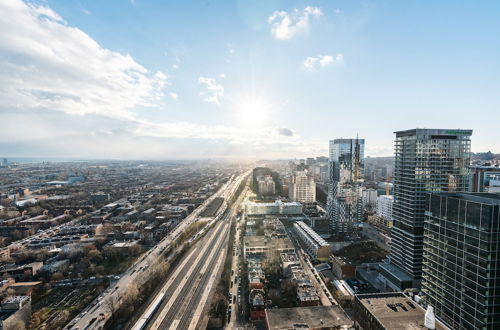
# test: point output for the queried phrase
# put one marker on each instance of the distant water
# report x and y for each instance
(35, 160)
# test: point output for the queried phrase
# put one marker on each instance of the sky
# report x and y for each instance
(242, 79)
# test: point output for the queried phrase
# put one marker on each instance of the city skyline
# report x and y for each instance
(143, 80)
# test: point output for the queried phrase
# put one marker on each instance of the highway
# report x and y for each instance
(98, 312)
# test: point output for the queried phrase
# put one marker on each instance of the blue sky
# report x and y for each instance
(264, 79)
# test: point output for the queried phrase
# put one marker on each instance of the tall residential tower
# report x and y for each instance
(426, 160)
(344, 202)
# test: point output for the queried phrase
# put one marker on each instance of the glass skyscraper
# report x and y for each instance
(344, 202)
(461, 260)
(426, 160)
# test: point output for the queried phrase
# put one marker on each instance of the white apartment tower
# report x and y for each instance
(302, 188)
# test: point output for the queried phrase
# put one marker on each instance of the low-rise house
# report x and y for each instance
(15, 310)
(57, 266)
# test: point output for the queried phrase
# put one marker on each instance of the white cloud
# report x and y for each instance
(311, 63)
(214, 90)
(338, 11)
(93, 136)
(52, 73)
(285, 25)
(46, 64)
(87, 12)
(222, 76)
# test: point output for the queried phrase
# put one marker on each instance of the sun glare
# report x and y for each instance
(252, 111)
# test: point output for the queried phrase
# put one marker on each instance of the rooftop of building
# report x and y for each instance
(395, 311)
(254, 241)
(480, 197)
(123, 244)
(273, 203)
(336, 141)
(25, 284)
(311, 233)
(15, 299)
(434, 131)
(316, 317)
(398, 273)
(342, 261)
(281, 243)
(289, 257)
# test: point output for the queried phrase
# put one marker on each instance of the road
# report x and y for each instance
(236, 307)
(325, 295)
(90, 318)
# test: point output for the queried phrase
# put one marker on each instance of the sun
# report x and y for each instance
(252, 111)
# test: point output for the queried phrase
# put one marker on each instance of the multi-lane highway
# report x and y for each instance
(97, 313)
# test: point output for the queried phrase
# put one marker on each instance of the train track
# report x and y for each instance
(181, 302)
(169, 308)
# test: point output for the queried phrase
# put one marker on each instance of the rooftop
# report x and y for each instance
(395, 311)
(311, 233)
(401, 275)
(254, 241)
(307, 317)
(434, 131)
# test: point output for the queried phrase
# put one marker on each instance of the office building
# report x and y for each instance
(426, 160)
(461, 264)
(302, 188)
(344, 200)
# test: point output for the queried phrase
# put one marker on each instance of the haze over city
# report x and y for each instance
(254, 79)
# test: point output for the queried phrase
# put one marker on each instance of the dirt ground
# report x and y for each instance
(361, 252)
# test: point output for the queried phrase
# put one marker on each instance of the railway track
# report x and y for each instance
(183, 298)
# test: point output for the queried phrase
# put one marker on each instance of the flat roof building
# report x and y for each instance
(273, 208)
(389, 311)
(313, 244)
(316, 317)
